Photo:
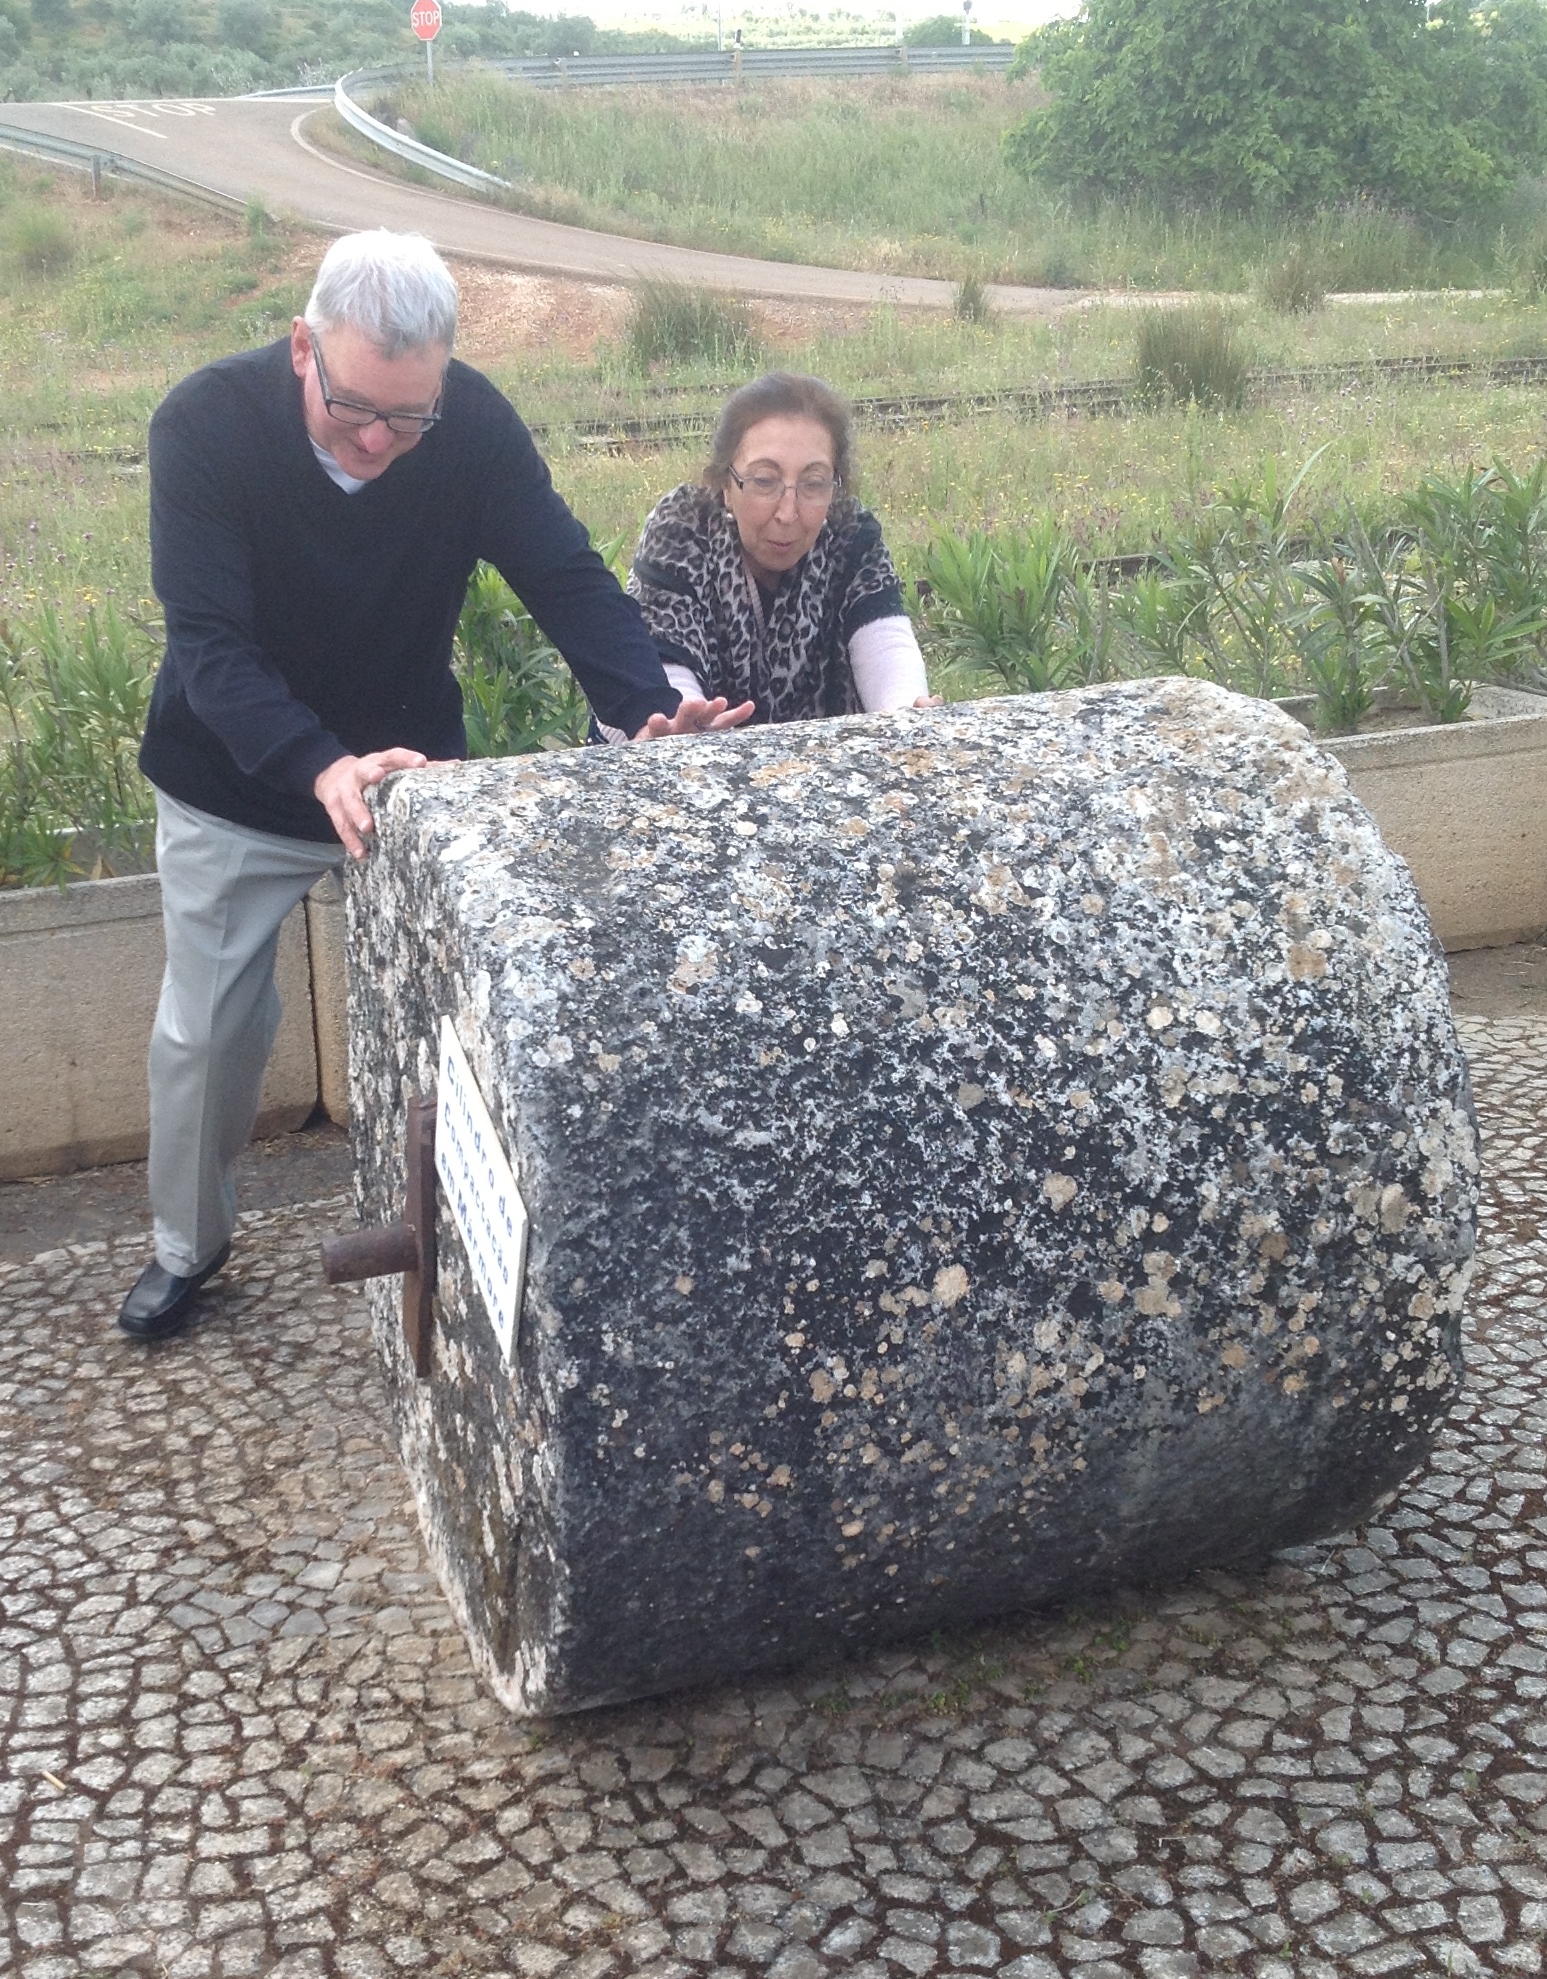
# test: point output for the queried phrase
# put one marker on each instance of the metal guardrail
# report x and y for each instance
(99, 161)
(702, 65)
(712, 65)
(298, 92)
(401, 146)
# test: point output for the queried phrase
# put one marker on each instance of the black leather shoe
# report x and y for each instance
(161, 1303)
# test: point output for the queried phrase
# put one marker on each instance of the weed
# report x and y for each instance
(1293, 285)
(970, 303)
(38, 241)
(257, 219)
(957, 1698)
(672, 322)
(1190, 355)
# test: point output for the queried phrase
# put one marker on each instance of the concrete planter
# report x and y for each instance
(1465, 804)
(81, 972)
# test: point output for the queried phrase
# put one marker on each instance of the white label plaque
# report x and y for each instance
(480, 1190)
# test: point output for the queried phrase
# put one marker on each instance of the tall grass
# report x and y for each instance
(970, 303)
(36, 240)
(677, 323)
(902, 174)
(1190, 356)
(73, 698)
(1295, 283)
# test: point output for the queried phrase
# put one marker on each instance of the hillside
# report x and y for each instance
(116, 48)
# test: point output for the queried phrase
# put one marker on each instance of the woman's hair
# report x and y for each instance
(393, 288)
(781, 395)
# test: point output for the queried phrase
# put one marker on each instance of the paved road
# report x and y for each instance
(241, 148)
(239, 1732)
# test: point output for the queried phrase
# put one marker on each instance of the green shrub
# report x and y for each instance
(944, 31)
(38, 241)
(1258, 104)
(1527, 266)
(73, 697)
(672, 322)
(1294, 285)
(1454, 593)
(518, 697)
(1017, 611)
(1190, 355)
(970, 303)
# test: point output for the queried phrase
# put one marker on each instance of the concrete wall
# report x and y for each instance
(1466, 806)
(330, 995)
(80, 972)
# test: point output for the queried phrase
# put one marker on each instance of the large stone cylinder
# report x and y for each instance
(972, 1157)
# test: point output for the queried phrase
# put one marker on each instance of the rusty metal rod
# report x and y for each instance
(374, 1253)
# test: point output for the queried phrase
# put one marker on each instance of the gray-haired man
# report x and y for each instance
(317, 508)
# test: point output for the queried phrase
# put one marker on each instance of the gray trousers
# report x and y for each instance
(225, 891)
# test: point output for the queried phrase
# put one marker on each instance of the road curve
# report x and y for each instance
(240, 147)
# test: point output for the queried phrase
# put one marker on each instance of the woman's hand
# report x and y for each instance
(930, 701)
(696, 718)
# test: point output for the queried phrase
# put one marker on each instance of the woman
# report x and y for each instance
(766, 582)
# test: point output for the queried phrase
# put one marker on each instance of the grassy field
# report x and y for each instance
(898, 175)
(137, 291)
(103, 305)
(146, 289)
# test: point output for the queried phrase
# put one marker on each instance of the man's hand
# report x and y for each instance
(695, 717)
(338, 790)
(930, 701)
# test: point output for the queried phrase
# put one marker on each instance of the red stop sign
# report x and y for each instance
(425, 18)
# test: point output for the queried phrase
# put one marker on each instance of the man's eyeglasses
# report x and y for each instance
(349, 412)
(811, 490)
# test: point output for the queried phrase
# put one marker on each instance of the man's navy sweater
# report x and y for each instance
(305, 623)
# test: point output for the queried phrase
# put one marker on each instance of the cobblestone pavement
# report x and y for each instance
(240, 1733)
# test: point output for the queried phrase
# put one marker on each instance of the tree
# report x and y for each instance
(1259, 102)
(247, 24)
(944, 31)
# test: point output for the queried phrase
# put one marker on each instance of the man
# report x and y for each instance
(317, 508)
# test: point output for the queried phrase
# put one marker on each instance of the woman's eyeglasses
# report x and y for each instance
(349, 412)
(764, 486)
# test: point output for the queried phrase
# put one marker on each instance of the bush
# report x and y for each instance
(672, 322)
(518, 696)
(1190, 355)
(1454, 593)
(73, 698)
(944, 31)
(38, 241)
(1261, 104)
(1294, 285)
(970, 303)
(1019, 611)
(1528, 266)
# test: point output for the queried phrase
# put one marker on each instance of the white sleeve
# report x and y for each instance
(888, 666)
(686, 682)
(682, 678)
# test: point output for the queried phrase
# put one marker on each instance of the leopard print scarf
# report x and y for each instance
(703, 609)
